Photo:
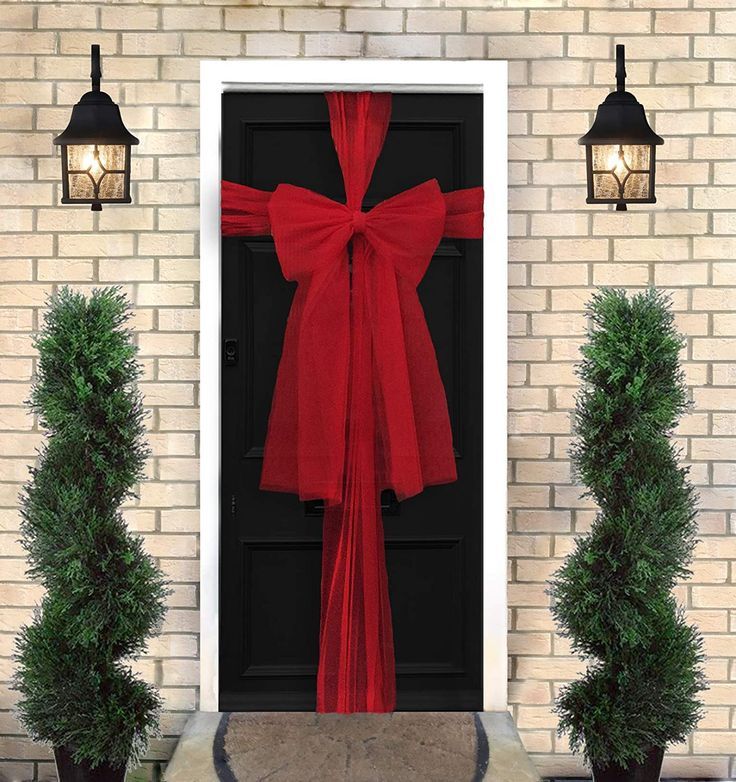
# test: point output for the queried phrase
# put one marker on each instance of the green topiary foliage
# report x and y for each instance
(104, 594)
(612, 596)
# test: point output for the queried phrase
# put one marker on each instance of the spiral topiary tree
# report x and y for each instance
(104, 595)
(612, 597)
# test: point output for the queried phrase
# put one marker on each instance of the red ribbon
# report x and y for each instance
(359, 405)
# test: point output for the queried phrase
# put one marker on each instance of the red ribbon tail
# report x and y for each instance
(356, 662)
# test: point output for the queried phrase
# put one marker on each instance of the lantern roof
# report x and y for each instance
(96, 120)
(620, 119)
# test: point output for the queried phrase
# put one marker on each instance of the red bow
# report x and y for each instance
(312, 232)
(398, 237)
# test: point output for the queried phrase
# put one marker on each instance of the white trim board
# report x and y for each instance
(290, 75)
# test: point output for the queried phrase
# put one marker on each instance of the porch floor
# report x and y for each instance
(301, 747)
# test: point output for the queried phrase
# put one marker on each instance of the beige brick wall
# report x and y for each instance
(681, 64)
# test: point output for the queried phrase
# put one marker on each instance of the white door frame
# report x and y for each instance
(289, 75)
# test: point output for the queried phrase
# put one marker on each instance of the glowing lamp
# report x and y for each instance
(95, 149)
(620, 148)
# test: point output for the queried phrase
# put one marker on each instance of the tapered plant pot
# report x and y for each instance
(648, 771)
(69, 771)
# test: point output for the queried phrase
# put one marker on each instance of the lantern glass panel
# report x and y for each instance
(96, 171)
(621, 171)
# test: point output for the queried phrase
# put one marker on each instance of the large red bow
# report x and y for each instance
(359, 405)
(397, 239)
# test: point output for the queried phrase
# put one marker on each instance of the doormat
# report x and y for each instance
(308, 747)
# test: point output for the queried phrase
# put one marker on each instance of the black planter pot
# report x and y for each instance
(69, 771)
(648, 771)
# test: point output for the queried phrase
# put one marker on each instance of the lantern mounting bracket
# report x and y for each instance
(96, 72)
(620, 67)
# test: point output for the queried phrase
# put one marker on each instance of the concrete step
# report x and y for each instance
(306, 747)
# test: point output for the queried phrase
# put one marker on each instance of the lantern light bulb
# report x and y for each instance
(92, 163)
(616, 162)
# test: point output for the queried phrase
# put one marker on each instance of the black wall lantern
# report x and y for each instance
(95, 149)
(619, 149)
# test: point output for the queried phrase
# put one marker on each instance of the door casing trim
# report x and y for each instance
(293, 75)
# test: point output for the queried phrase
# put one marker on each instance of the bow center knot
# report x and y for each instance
(358, 221)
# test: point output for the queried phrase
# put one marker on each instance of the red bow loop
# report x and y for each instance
(311, 231)
(406, 229)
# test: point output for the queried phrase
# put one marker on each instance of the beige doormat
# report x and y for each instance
(308, 747)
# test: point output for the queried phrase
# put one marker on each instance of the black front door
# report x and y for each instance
(271, 543)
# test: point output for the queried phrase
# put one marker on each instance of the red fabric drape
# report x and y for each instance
(358, 405)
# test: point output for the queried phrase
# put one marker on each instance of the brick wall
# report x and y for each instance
(681, 65)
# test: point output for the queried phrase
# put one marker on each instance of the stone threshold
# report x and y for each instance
(200, 754)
